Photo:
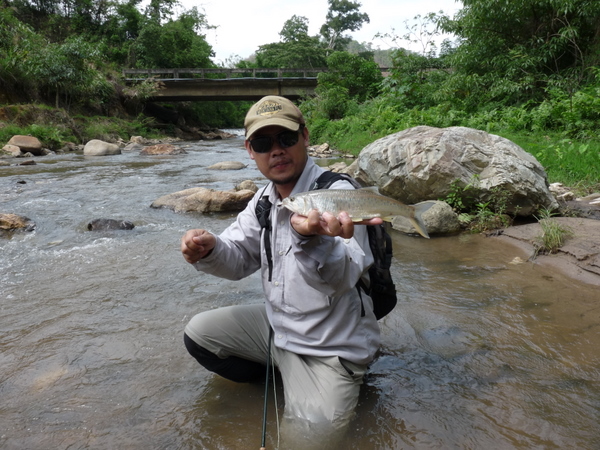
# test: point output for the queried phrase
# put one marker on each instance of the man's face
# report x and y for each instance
(282, 166)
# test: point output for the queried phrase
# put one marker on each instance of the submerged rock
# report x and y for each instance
(109, 224)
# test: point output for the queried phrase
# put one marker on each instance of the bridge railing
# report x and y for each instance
(186, 73)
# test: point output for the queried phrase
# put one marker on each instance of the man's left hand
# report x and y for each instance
(327, 224)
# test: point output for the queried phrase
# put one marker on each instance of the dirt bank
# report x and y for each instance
(579, 257)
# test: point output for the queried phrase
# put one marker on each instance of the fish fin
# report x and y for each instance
(417, 221)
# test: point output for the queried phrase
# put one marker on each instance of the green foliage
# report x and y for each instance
(175, 44)
(553, 234)
(342, 16)
(483, 215)
(350, 80)
(359, 76)
(296, 48)
(515, 51)
(216, 114)
(51, 136)
(303, 52)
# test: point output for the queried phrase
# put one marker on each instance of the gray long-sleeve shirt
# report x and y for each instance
(312, 303)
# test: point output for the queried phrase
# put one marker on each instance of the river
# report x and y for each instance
(479, 353)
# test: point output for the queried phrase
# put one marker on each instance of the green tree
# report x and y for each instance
(294, 29)
(350, 79)
(295, 50)
(513, 51)
(342, 16)
(175, 44)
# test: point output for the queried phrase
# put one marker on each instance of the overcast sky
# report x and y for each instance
(244, 25)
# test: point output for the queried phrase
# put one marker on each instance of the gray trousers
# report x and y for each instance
(316, 389)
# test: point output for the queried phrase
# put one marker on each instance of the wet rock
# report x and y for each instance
(162, 149)
(320, 151)
(247, 185)
(439, 219)
(96, 147)
(204, 200)
(425, 163)
(27, 144)
(12, 150)
(228, 165)
(338, 167)
(9, 222)
(109, 224)
(71, 147)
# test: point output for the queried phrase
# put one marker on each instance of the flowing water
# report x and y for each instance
(479, 353)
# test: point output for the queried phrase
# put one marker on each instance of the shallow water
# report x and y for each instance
(479, 353)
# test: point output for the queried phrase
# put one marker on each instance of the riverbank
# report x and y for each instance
(579, 257)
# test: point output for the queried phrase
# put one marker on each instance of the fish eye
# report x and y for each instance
(291, 198)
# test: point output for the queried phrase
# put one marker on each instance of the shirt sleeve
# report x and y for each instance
(237, 251)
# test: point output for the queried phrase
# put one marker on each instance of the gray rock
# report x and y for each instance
(439, 219)
(162, 149)
(426, 163)
(109, 224)
(228, 165)
(27, 144)
(96, 147)
(204, 200)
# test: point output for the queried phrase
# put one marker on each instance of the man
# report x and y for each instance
(324, 329)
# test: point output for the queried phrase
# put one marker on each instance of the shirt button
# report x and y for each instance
(281, 252)
(279, 336)
(276, 283)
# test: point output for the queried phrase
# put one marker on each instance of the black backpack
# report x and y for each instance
(381, 289)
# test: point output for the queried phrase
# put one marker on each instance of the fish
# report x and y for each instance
(360, 204)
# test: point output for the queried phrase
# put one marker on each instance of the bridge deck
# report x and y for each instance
(190, 84)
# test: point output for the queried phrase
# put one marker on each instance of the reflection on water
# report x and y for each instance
(479, 352)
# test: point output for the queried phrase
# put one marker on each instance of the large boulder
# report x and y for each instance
(27, 144)
(204, 200)
(427, 163)
(96, 147)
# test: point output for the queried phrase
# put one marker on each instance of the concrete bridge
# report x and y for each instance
(225, 84)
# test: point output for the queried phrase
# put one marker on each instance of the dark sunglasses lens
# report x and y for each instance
(288, 139)
(262, 144)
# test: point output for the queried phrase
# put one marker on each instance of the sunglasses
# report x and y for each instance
(285, 139)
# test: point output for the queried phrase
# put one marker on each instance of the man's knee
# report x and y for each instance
(233, 368)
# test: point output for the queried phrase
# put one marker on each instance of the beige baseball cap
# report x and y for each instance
(273, 110)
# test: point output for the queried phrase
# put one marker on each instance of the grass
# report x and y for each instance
(574, 163)
(553, 234)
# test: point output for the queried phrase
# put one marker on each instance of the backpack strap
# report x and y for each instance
(326, 179)
(263, 214)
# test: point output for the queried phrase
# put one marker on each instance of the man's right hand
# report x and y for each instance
(196, 244)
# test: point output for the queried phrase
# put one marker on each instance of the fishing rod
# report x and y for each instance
(264, 426)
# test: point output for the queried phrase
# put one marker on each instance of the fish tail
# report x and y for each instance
(417, 221)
